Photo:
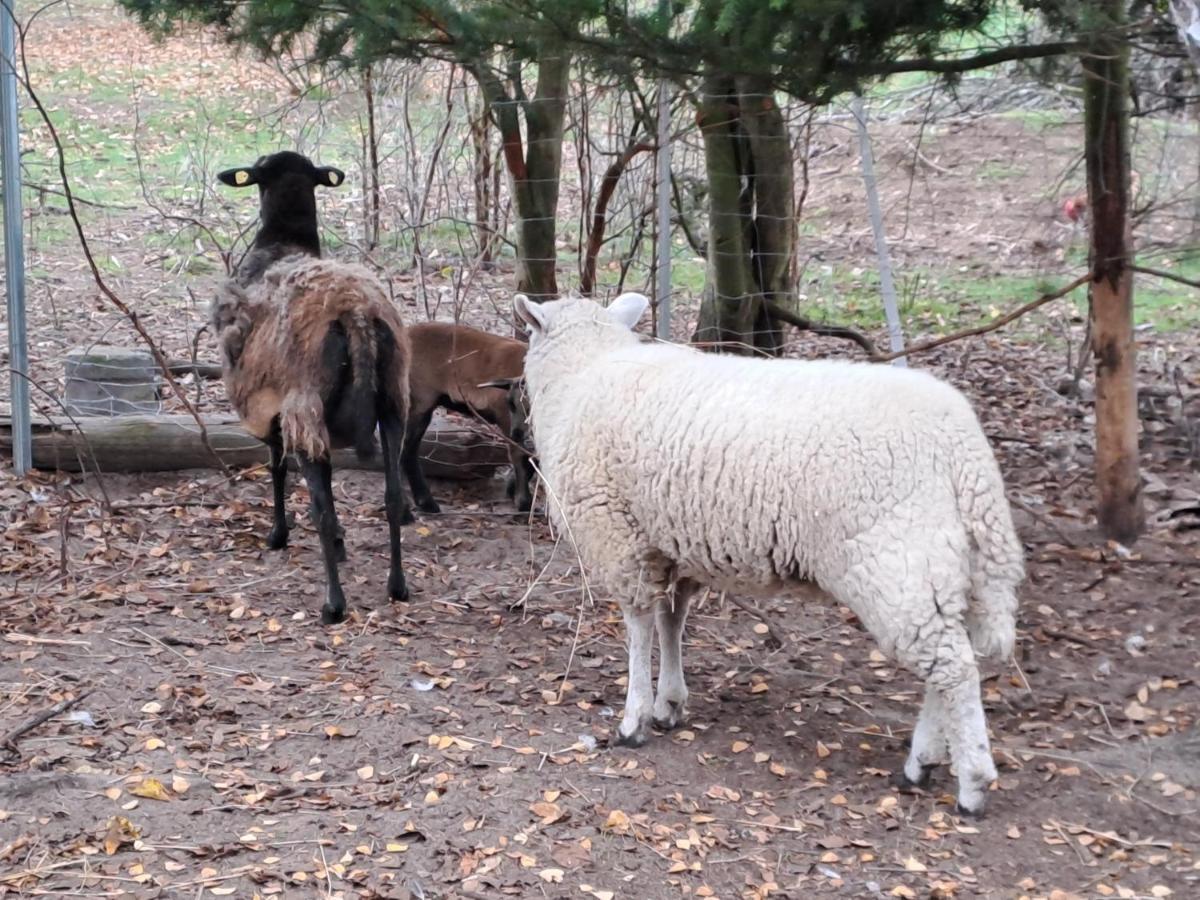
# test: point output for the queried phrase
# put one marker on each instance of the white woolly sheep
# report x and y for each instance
(671, 469)
(315, 356)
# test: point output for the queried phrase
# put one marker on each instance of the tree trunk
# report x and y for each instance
(486, 224)
(534, 164)
(751, 229)
(1106, 151)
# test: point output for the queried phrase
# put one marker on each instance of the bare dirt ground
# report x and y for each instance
(455, 746)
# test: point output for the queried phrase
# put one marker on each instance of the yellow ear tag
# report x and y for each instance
(334, 179)
(241, 176)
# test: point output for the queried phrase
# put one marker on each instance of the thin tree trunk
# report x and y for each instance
(372, 203)
(727, 310)
(1106, 151)
(482, 177)
(773, 183)
(534, 164)
(595, 238)
(752, 225)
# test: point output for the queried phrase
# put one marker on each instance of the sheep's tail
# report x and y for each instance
(997, 561)
(360, 407)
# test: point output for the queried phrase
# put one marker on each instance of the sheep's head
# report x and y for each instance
(286, 183)
(545, 320)
(282, 169)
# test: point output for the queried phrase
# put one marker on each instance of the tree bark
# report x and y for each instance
(1107, 156)
(534, 164)
(752, 224)
(728, 308)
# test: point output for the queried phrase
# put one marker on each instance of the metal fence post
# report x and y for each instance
(662, 289)
(886, 284)
(14, 255)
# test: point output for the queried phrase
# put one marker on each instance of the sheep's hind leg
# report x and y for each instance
(318, 475)
(947, 662)
(391, 435)
(634, 729)
(928, 748)
(670, 703)
(277, 539)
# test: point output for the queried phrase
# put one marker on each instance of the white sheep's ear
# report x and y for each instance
(530, 313)
(628, 308)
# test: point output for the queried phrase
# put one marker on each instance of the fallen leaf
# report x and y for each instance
(549, 813)
(552, 876)
(120, 831)
(151, 789)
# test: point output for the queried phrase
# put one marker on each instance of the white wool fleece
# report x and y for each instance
(746, 474)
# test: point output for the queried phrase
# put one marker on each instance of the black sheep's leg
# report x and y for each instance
(391, 436)
(318, 475)
(410, 460)
(278, 537)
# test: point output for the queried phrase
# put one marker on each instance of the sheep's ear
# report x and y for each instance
(330, 176)
(529, 312)
(628, 308)
(243, 176)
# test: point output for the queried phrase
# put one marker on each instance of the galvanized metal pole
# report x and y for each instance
(886, 284)
(14, 250)
(662, 290)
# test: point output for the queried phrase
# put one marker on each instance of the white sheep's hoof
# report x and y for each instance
(669, 714)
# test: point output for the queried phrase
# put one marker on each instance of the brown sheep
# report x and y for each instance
(315, 356)
(470, 372)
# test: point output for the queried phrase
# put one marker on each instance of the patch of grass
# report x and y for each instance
(999, 170)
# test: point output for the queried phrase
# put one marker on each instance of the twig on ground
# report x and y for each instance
(1044, 519)
(9, 741)
(774, 642)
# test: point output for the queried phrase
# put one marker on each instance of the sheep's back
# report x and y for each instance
(720, 463)
(295, 305)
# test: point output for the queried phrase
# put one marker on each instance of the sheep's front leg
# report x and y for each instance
(639, 694)
(410, 461)
(278, 537)
(318, 475)
(670, 703)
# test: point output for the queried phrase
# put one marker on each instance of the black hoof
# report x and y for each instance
(633, 741)
(428, 505)
(902, 781)
(332, 615)
(676, 718)
(277, 539)
(525, 504)
(967, 813)
(397, 590)
(407, 517)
